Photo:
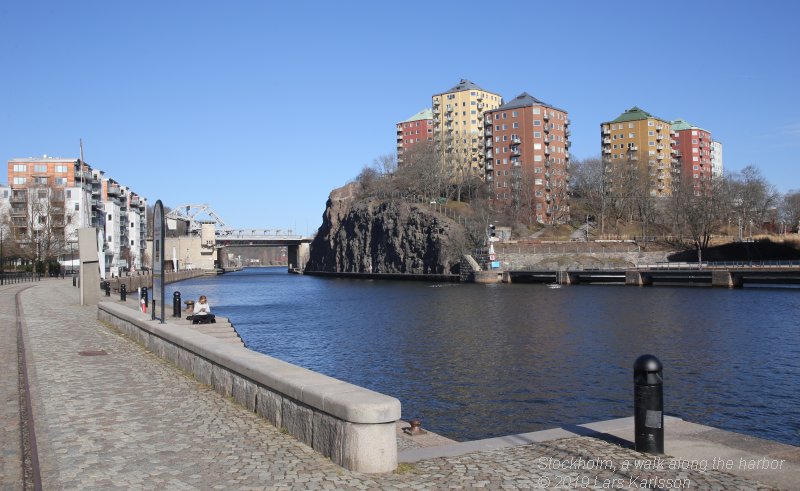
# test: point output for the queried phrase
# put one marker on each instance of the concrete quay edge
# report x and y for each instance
(344, 400)
(684, 440)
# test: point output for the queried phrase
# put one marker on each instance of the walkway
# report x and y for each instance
(126, 420)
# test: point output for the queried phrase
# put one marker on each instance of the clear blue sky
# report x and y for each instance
(260, 108)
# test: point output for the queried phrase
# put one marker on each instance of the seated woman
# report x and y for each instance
(202, 312)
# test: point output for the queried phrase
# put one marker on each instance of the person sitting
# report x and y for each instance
(202, 312)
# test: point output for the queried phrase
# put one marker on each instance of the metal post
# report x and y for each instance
(108, 288)
(123, 292)
(176, 304)
(648, 394)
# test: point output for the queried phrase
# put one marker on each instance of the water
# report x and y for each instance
(477, 361)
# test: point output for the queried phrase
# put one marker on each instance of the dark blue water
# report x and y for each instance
(476, 361)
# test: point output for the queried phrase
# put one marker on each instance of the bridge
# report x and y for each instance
(728, 275)
(196, 216)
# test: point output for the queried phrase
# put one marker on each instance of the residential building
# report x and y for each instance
(458, 123)
(58, 196)
(717, 169)
(640, 142)
(527, 158)
(414, 130)
(692, 152)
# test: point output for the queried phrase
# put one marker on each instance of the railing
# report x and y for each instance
(8, 278)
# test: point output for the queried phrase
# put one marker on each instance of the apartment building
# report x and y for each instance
(414, 130)
(638, 141)
(458, 123)
(693, 153)
(60, 196)
(527, 158)
(717, 169)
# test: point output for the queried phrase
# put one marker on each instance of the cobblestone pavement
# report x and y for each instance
(127, 420)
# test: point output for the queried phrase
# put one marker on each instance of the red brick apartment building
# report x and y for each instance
(692, 148)
(527, 158)
(418, 128)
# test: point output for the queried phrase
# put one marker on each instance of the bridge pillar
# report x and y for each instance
(298, 256)
(725, 279)
(566, 278)
(637, 278)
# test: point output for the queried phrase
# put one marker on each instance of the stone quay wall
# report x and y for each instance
(351, 425)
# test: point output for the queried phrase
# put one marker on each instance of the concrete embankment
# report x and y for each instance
(353, 426)
(438, 278)
(136, 281)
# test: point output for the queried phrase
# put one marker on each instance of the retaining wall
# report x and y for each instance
(353, 426)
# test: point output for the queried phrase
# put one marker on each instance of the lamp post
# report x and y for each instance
(2, 261)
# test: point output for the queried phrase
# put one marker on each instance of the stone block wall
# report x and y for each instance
(353, 426)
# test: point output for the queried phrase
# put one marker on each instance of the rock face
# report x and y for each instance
(368, 235)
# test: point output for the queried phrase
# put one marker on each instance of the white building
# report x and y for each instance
(716, 159)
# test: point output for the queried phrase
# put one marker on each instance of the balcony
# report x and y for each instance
(567, 143)
(18, 212)
(449, 119)
(448, 109)
(633, 148)
(606, 131)
(488, 131)
(515, 140)
(436, 109)
(547, 197)
(567, 132)
(436, 102)
(480, 96)
(633, 157)
(515, 152)
(567, 122)
(607, 141)
(489, 165)
(481, 106)
(515, 162)
(489, 176)
(660, 147)
(489, 153)
(607, 151)
(547, 150)
(113, 191)
(489, 142)
(659, 137)
(546, 129)
(545, 116)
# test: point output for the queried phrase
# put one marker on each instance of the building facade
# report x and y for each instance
(638, 143)
(414, 130)
(51, 198)
(458, 124)
(527, 158)
(717, 169)
(692, 153)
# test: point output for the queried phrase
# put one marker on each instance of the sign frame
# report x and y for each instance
(158, 260)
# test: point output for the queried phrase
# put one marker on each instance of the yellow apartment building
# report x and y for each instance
(641, 141)
(458, 122)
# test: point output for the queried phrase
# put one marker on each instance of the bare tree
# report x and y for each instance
(790, 209)
(39, 234)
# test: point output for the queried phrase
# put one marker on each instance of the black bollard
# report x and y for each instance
(176, 304)
(648, 395)
(108, 288)
(123, 292)
(74, 280)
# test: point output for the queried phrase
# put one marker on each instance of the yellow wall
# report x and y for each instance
(454, 122)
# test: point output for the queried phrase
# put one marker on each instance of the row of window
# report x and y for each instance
(650, 122)
(535, 110)
(417, 123)
(59, 169)
(536, 134)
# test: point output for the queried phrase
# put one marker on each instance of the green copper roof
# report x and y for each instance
(634, 114)
(681, 124)
(424, 114)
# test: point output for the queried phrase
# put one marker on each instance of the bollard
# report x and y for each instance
(176, 304)
(123, 292)
(648, 395)
(108, 288)
(74, 280)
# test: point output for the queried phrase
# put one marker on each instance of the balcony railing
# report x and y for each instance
(515, 140)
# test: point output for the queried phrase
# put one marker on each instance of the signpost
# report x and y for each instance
(158, 261)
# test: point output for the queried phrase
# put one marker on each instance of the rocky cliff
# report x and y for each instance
(368, 235)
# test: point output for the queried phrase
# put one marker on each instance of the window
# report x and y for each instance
(497, 127)
(651, 133)
(513, 114)
(41, 194)
(109, 217)
(694, 132)
(537, 134)
(504, 127)
(536, 110)
(40, 168)
(515, 125)
(131, 242)
(651, 123)
(77, 207)
(631, 135)
(505, 138)
(630, 125)
(20, 168)
(537, 158)
(41, 181)
(472, 103)
(651, 144)
(504, 115)
(19, 180)
(537, 123)
(695, 159)
(537, 170)
(61, 181)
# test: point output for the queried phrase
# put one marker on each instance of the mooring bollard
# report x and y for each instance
(143, 299)
(648, 395)
(176, 304)
(74, 280)
(123, 292)
(108, 288)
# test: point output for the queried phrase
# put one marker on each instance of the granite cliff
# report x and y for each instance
(371, 235)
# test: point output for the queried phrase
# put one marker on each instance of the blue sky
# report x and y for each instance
(259, 109)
